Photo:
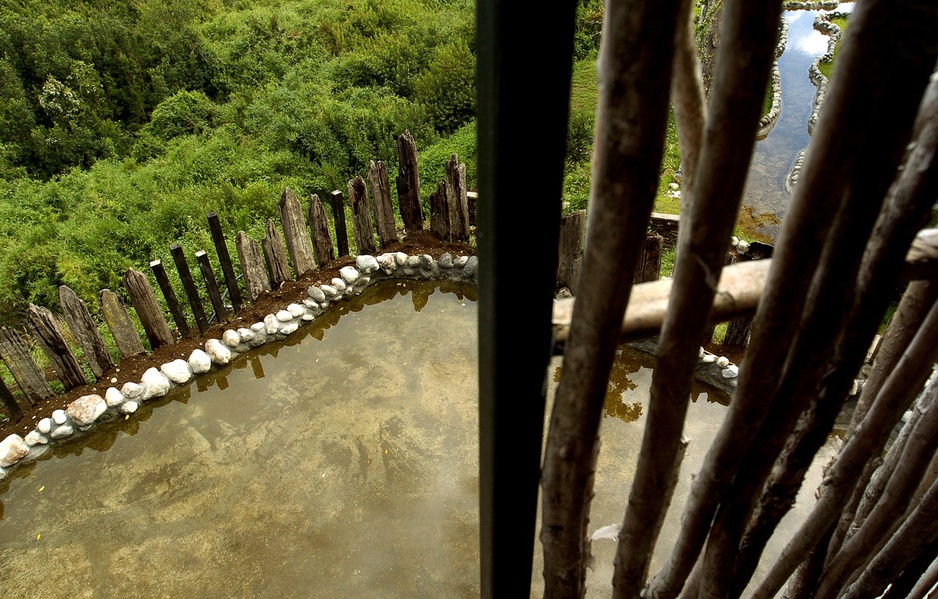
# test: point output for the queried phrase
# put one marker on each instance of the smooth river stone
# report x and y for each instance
(86, 409)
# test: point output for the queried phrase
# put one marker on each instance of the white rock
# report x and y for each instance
(132, 390)
(258, 327)
(290, 328)
(349, 274)
(129, 407)
(296, 310)
(62, 432)
(12, 450)
(446, 260)
(471, 265)
(44, 426)
(231, 338)
(59, 417)
(329, 291)
(461, 261)
(155, 383)
(178, 371)
(365, 264)
(35, 438)
(316, 294)
(673, 186)
(708, 358)
(113, 397)
(284, 316)
(271, 324)
(246, 335)
(86, 409)
(199, 361)
(387, 262)
(723, 361)
(730, 372)
(400, 258)
(308, 318)
(734, 241)
(311, 304)
(218, 352)
(413, 261)
(339, 285)
(742, 247)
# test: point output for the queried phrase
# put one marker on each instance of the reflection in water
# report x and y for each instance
(345, 467)
(765, 196)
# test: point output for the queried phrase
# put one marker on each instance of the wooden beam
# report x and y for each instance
(211, 285)
(118, 321)
(294, 232)
(148, 309)
(169, 294)
(338, 217)
(408, 183)
(45, 328)
(221, 248)
(85, 331)
(319, 231)
(381, 196)
(15, 352)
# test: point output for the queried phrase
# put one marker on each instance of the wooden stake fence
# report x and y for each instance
(188, 284)
(274, 256)
(85, 331)
(294, 232)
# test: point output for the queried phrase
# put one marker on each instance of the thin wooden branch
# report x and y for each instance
(925, 584)
(687, 97)
(892, 400)
(893, 501)
(918, 531)
(634, 77)
(738, 293)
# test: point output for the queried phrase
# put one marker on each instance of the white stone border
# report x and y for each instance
(88, 411)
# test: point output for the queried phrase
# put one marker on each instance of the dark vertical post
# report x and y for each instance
(511, 403)
(221, 248)
(14, 411)
(319, 232)
(383, 209)
(295, 233)
(274, 256)
(208, 276)
(362, 225)
(440, 221)
(252, 265)
(169, 294)
(338, 217)
(192, 292)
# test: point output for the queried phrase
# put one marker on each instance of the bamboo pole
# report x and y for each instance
(635, 72)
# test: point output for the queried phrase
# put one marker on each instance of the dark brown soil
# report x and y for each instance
(131, 369)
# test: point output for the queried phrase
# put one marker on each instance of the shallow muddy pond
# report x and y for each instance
(341, 463)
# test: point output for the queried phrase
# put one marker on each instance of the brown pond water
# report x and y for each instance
(342, 463)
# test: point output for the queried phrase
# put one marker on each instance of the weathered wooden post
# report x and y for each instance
(211, 286)
(169, 294)
(457, 199)
(649, 269)
(338, 217)
(440, 221)
(319, 231)
(9, 402)
(252, 265)
(381, 195)
(294, 231)
(188, 284)
(45, 328)
(408, 183)
(118, 321)
(570, 263)
(148, 309)
(221, 248)
(361, 217)
(26, 373)
(85, 331)
(274, 256)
